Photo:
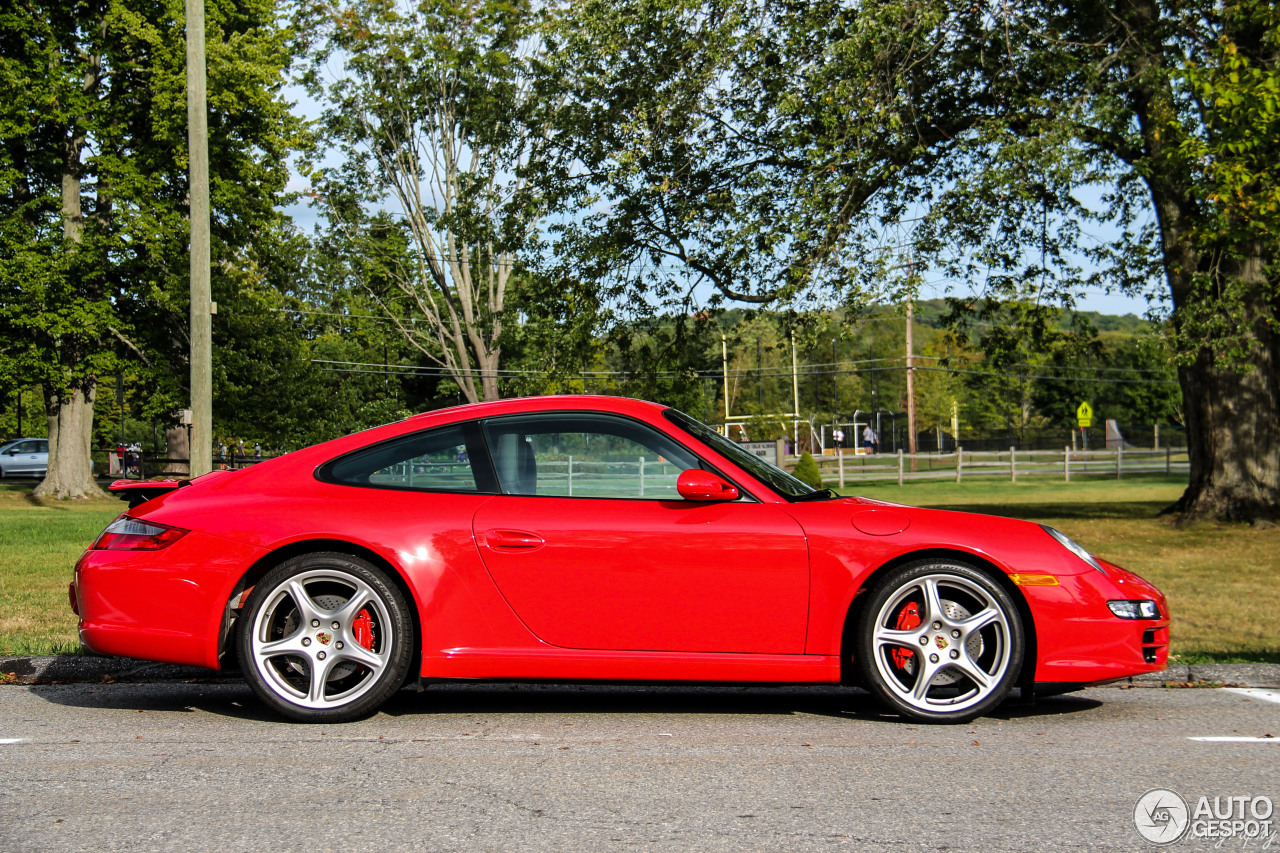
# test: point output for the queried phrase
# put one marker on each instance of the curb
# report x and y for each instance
(92, 669)
(1209, 675)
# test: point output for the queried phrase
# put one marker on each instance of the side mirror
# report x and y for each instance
(698, 485)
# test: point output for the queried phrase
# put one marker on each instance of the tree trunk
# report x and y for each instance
(1232, 409)
(1233, 424)
(70, 473)
(487, 363)
(177, 446)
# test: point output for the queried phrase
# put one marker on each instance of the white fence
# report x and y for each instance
(642, 478)
(849, 467)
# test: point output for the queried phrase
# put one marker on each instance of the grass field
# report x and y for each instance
(1220, 578)
(39, 545)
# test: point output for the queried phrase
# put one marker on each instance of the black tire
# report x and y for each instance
(325, 638)
(949, 623)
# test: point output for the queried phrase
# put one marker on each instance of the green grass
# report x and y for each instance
(40, 543)
(1220, 578)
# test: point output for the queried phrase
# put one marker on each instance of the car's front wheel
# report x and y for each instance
(326, 638)
(940, 641)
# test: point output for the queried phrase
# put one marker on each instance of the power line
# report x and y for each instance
(382, 318)
(1043, 378)
(412, 370)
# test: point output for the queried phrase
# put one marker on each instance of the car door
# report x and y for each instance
(25, 459)
(593, 548)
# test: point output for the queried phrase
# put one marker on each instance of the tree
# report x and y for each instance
(731, 157)
(1099, 99)
(801, 133)
(1104, 93)
(1021, 342)
(56, 309)
(93, 192)
(433, 109)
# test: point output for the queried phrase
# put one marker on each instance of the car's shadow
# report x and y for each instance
(232, 698)
(1040, 511)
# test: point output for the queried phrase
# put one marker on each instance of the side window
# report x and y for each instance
(590, 456)
(431, 461)
(42, 446)
(32, 446)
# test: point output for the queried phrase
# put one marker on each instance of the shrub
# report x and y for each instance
(807, 471)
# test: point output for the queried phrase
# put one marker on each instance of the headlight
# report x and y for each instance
(1135, 609)
(1073, 547)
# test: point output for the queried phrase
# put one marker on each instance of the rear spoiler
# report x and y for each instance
(138, 492)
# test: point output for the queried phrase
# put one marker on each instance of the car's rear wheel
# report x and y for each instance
(940, 641)
(326, 638)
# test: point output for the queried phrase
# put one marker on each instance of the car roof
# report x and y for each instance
(548, 403)
(5, 444)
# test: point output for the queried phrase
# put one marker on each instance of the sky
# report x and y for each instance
(1094, 299)
(936, 285)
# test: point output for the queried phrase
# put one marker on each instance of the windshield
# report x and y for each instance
(773, 477)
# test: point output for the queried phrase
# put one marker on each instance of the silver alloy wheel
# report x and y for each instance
(961, 650)
(304, 644)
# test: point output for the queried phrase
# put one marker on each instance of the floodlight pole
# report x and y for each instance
(911, 384)
(201, 445)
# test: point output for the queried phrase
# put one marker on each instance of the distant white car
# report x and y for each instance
(24, 457)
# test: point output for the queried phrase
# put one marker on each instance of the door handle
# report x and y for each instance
(513, 540)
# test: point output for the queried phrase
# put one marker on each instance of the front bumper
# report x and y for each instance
(1079, 639)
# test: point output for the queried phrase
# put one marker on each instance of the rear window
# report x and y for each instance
(435, 460)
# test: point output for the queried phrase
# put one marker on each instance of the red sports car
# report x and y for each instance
(593, 538)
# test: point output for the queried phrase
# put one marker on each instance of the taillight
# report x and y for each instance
(130, 534)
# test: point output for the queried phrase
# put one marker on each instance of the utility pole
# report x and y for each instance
(875, 386)
(795, 393)
(759, 373)
(911, 383)
(835, 385)
(201, 445)
(724, 363)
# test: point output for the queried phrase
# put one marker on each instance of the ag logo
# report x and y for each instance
(1161, 816)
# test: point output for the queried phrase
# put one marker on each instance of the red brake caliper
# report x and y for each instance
(363, 629)
(908, 618)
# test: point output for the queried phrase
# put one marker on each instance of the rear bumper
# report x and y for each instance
(164, 605)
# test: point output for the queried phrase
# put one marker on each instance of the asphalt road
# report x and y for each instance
(199, 766)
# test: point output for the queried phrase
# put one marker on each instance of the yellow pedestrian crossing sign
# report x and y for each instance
(1084, 415)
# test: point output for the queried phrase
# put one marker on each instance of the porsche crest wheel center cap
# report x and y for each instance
(939, 640)
(323, 639)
